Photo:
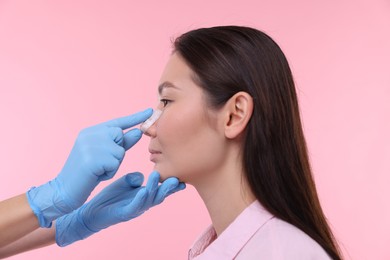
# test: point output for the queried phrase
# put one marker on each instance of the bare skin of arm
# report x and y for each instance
(40, 237)
(19, 228)
(16, 219)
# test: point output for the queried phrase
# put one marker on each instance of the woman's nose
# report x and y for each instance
(148, 127)
(151, 131)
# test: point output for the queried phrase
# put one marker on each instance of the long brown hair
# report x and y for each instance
(229, 59)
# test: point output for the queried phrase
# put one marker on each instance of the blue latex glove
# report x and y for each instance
(121, 201)
(95, 156)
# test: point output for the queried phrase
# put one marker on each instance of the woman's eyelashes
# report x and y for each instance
(165, 101)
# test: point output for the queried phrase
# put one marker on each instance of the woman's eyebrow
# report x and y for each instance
(165, 84)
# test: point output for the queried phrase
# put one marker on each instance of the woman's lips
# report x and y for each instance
(154, 154)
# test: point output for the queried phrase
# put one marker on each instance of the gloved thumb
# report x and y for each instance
(168, 187)
(134, 179)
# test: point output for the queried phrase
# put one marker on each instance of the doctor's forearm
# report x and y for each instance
(16, 219)
(39, 238)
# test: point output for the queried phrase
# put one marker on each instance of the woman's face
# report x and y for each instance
(186, 140)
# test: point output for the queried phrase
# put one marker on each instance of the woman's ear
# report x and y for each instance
(239, 110)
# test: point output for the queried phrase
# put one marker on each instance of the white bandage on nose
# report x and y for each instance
(150, 121)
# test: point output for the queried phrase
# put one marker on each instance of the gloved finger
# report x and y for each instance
(118, 152)
(110, 167)
(152, 187)
(165, 188)
(179, 187)
(125, 183)
(131, 138)
(131, 120)
(135, 179)
(136, 206)
(116, 135)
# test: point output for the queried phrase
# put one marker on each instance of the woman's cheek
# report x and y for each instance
(167, 129)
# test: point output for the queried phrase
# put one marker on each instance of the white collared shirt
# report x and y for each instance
(257, 234)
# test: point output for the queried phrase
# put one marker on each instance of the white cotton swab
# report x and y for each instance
(151, 120)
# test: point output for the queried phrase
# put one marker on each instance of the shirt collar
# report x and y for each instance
(233, 238)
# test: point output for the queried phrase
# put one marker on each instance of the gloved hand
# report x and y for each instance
(95, 156)
(121, 201)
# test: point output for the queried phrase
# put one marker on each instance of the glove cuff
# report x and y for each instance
(71, 228)
(47, 203)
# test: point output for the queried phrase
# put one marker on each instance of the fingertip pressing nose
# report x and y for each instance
(150, 121)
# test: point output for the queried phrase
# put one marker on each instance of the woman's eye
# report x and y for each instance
(165, 102)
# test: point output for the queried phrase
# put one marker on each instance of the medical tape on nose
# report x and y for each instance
(151, 120)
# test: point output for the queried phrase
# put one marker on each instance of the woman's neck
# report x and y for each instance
(226, 194)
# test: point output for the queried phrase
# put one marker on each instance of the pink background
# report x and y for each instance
(66, 65)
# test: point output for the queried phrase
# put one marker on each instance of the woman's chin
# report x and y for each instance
(164, 174)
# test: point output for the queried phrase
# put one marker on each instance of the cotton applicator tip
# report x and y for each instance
(151, 120)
